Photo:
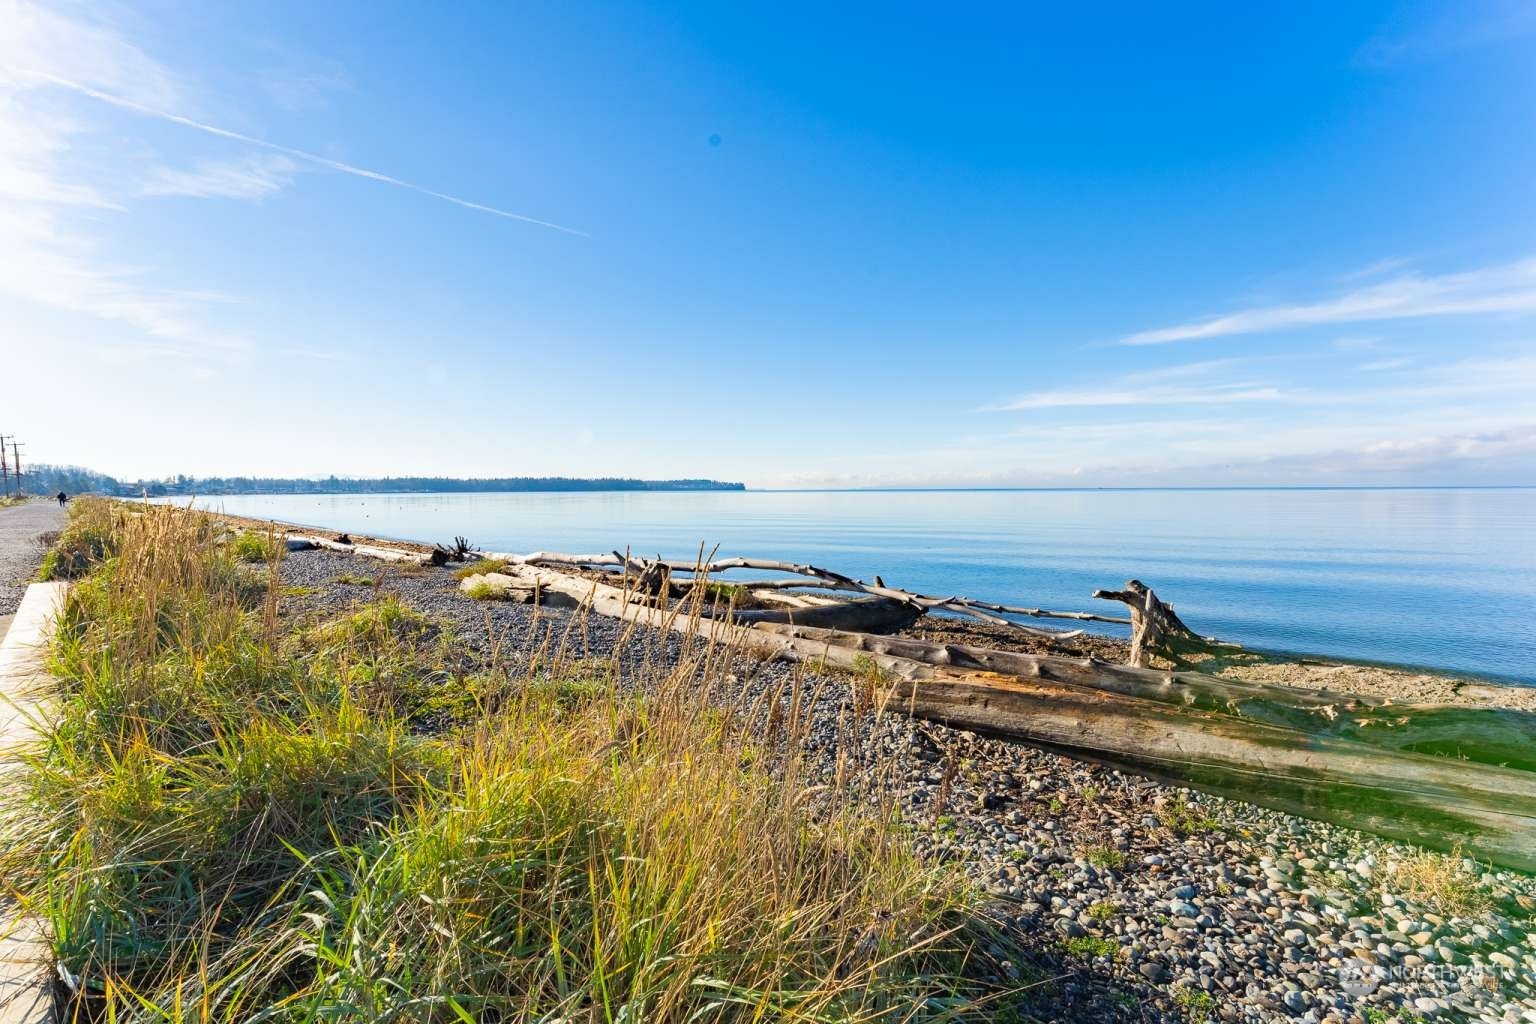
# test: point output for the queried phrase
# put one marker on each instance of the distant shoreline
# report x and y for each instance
(1144, 488)
(48, 479)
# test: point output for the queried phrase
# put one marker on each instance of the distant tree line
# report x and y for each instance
(45, 479)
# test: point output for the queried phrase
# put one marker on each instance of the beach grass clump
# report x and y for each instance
(480, 590)
(230, 819)
(479, 567)
(1089, 947)
(1197, 1005)
(725, 593)
(1102, 855)
(1184, 819)
(84, 542)
(1443, 881)
(252, 546)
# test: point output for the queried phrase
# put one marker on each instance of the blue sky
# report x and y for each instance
(789, 245)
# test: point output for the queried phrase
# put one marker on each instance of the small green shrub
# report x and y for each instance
(86, 541)
(566, 693)
(352, 579)
(724, 593)
(1184, 819)
(1090, 946)
(1197, 1004)
(256, 547)
(376, 626)
(480, 568)
(480, 590)
(1101, 856)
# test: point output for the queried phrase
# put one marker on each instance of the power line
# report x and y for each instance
(10, 465)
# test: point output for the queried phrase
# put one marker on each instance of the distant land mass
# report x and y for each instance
(45, 479)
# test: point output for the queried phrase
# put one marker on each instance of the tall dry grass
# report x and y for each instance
(232, 820)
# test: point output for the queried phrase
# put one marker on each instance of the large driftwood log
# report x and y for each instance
(373, 551)
(1288, 754)
(873, 615)
(1492, 736)
(1444, 803)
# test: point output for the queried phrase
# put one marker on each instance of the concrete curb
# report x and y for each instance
(26, 984)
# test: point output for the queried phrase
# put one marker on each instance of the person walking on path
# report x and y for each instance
(22, 528)
(63, 499)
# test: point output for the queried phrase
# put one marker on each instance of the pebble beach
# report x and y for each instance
(1138, 900)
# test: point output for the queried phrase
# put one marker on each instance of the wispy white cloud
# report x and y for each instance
(1394, 363)
(1453, 421)
(146, 110)
(1510, 288)
(1215, 394)
(1447, 29)
(32, 141)
(42, 262)
(301, 82)
(49, 255)
(253, 177)
(55, 252)
(1376, 269)
(1466, 380)
(1184, 384)
(87, 49)
(1498, 455)
(1358, 342)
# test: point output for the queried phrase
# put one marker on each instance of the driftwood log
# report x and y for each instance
(867, 615)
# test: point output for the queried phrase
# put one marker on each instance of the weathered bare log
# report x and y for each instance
(1155, 628)
(373, 551)
(1307, 758)
(873, 615)
(1443, 803)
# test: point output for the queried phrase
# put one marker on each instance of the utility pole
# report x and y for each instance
(5, 467)
(16, 461)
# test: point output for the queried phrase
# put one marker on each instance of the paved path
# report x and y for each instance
(20, 552)
(26, 992)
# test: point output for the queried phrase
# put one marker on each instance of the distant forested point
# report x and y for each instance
(44, 479)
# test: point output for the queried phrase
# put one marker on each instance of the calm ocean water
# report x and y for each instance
(1435, 578)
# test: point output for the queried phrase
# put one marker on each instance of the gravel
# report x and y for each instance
(1139, 900)
(21, 551)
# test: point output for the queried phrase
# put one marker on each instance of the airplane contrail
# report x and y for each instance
(313, 158)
